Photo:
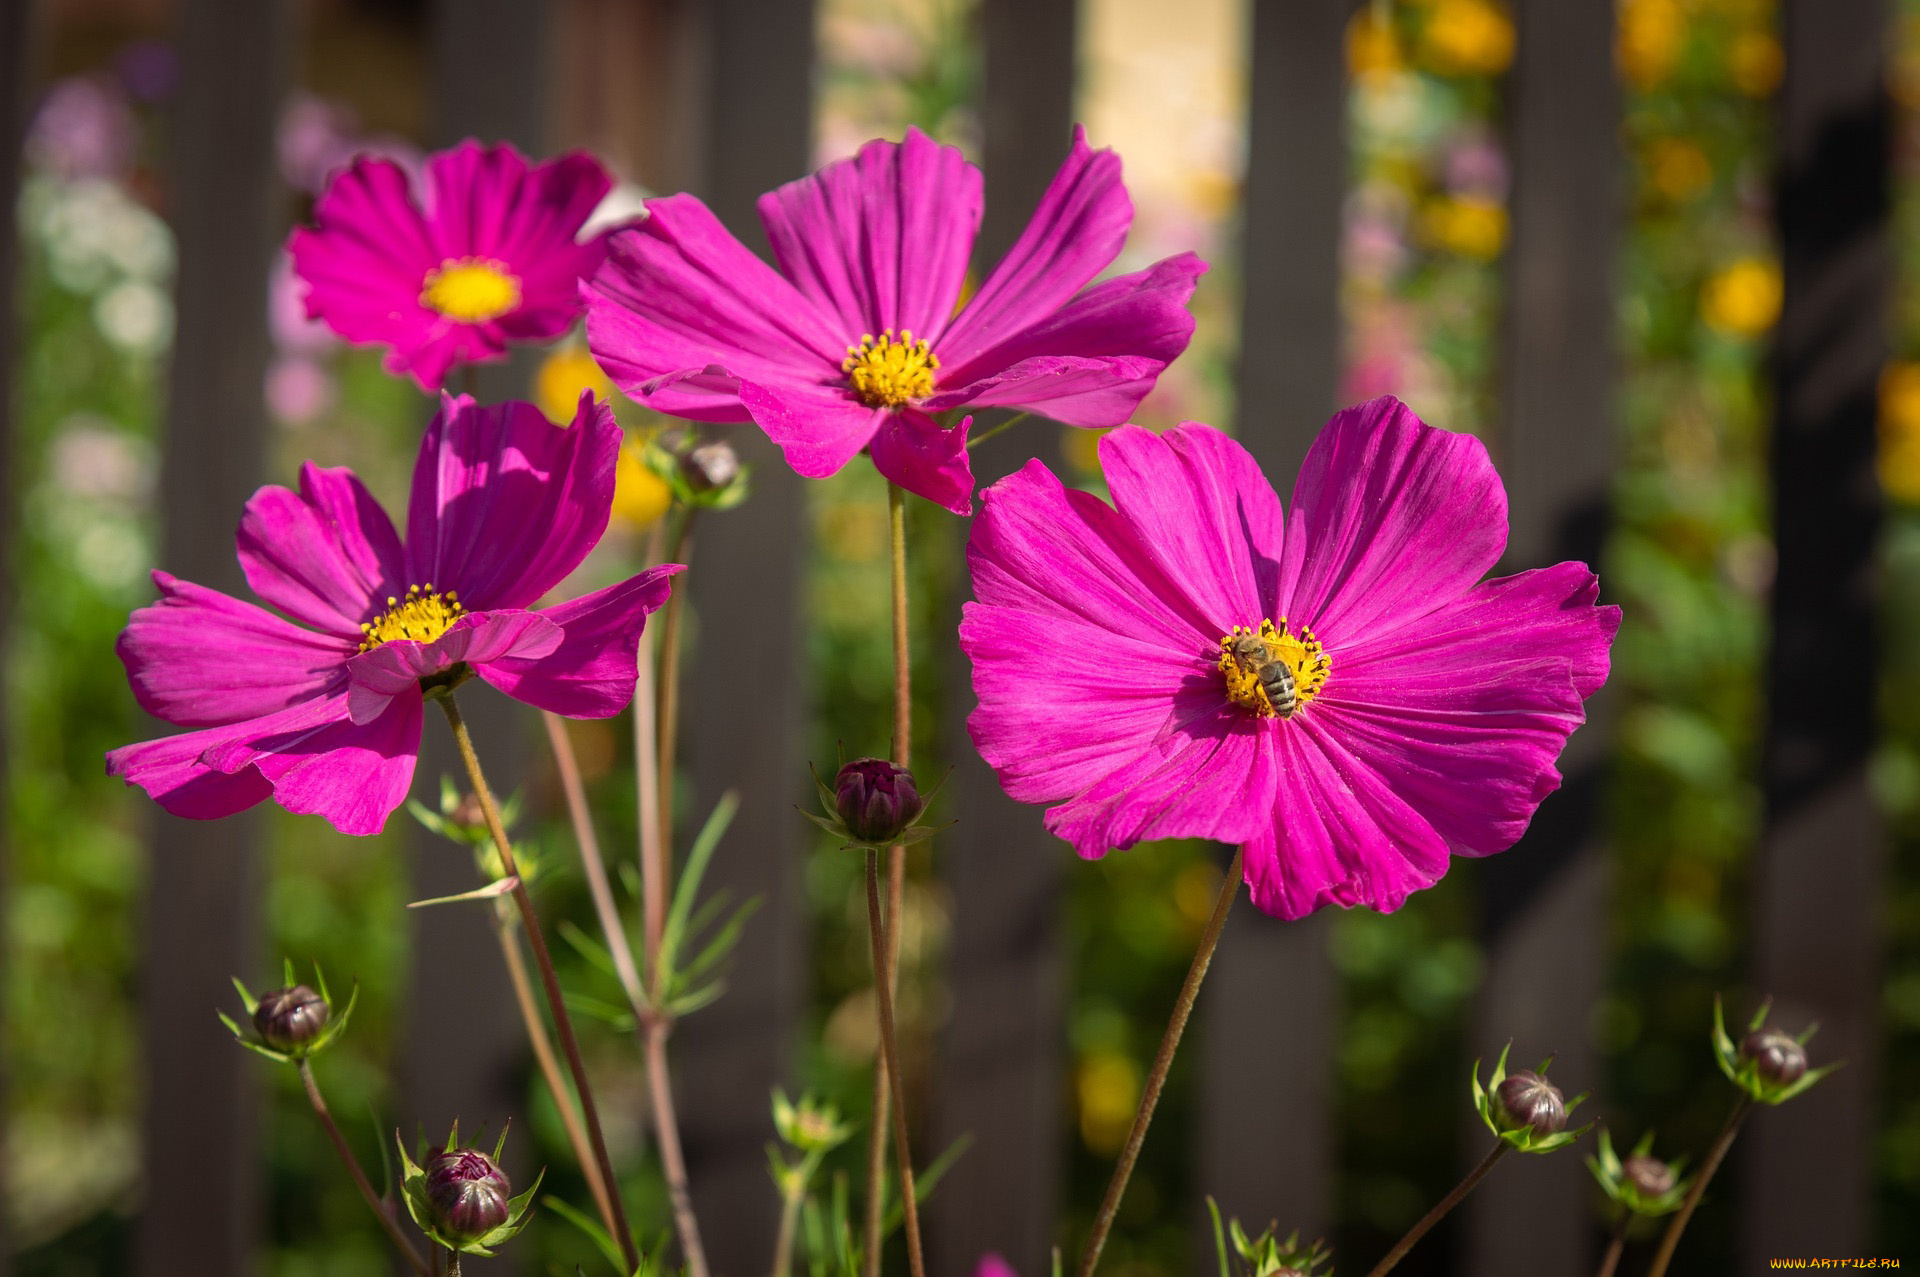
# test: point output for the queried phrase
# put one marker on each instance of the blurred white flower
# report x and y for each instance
(135, 316)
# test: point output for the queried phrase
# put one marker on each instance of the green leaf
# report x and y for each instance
(688, 888)
(1219, 1242)
(491, 891)
(597, 955)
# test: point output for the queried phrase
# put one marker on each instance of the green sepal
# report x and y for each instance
(1745, 1074)
(1610, 1173)
(518, 1217)
(1523, 1140)
(335, 1026)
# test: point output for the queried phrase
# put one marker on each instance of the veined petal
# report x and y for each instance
(323, 764)
(679, 294)
(880, 241)
(202, 658)
(175, 773)
(591, 673)
(1041, 547)
(1204, 513)
(505, 504)
(363, 260)
(1337, 834)
(1091, 362)
(389, 670)
(1078, 228)
(1391, 519)
(928, 460)
(818, 428)
(322, 555)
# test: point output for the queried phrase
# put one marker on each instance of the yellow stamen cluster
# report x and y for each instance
(885, 373)
(1301, 653)
(422, 616)
(471, 289)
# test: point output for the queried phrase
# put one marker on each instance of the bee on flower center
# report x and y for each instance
(1276, 680)
(1273, 670)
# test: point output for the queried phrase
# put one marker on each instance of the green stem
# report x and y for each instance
(1438, 1213)
(1610, 1262)
(890, 1058)
(668, 701)
(1671, 1241)
(453, 1263)
(556, 1001)
(1002, 428)
(1162, 1062)
(379, 1208)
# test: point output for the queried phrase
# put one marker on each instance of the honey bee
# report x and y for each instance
(1274, 677)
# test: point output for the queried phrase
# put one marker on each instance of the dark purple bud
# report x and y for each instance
(876, 799)
(710, 466)
(1527, 1100)
(468, 811)
(288, 1019)
(467, 1193)
(1648, 1174)
(1777, 1057)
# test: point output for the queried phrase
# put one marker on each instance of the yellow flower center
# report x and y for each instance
(885, 373)
(471, 289)
(422, 616)
(1273, 672)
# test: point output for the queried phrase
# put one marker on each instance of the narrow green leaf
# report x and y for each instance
(688, 889)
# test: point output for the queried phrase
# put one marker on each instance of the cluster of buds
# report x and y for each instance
(462, 820)
(1641, 1184)
(461, 1198)
(291, 1022)
(874, 803)
(705, 475)
(1769, 1064)
(1266, 1255)
(1524, 1109)
(811, 1129)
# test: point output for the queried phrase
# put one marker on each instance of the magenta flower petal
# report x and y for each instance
(322, 555)
(199, 658)
(368, 250)
(1338, 693)
(1079, 227)
(1391, 519)
(176, 773)
(353, 774)
(678, 294)
(1116, 337)
(395, 668)
(817, 429)
(914, 451)
(591, 673)
(880, 241)
(505, 503)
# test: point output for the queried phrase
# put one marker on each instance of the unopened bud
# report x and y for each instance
(1651, 1176)
(876, 799)
(710, 466)
(1526, 1100)
(467, 1193)
(468, 811)
(1777, 1057)
(288, 1019)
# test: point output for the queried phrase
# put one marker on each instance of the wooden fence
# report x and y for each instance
(733, 118)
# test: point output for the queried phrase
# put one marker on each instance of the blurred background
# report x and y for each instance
(1661, 254)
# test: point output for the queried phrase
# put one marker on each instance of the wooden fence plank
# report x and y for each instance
(1815, 940)
(997, 1074)
(1546, 898)
(756, 108)
(203, 1169)
(1266, 1124)
(465, 1051)
(16, 45)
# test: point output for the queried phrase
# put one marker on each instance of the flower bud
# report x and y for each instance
(710, 466)
(1777, 1057)
(1651, 1176)
(288, 1019)
(1526, 1100)
(876, 799)
(467, 1193)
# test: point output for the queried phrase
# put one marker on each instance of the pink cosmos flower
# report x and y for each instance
(1337, 690)
(854, 343)
(325, 716)
(490, 259)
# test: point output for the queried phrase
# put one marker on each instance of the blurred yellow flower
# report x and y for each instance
(1679, 169)
(1756, 63)
(1467, 225)
(1468, 37)
(1900, 431)
(1904, 75)
(562, 376)
(1372, 49)
(639, 495)
(1108, 1086)
(1649, 40)
(1742, 299)
(1081, 448)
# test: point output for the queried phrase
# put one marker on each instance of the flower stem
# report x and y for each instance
(669, 698)
(1610, 1262)
(886, 956)
(1439, 1212)
(673, 1163)
(379, 1208)
(1671, 1241)
(1162, 1061)
(453, 1263)
(556, 1002)
(991, 431)
(543, 1055)
(909, 1206)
